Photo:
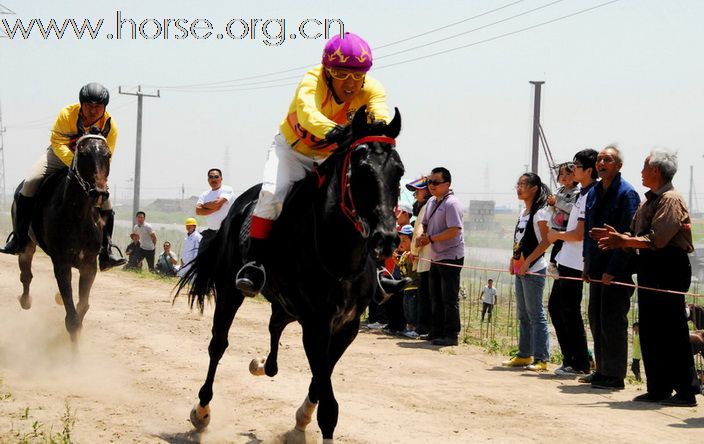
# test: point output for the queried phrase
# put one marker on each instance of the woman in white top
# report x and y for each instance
(528, 264)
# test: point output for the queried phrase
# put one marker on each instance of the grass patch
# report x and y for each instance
(39, 433)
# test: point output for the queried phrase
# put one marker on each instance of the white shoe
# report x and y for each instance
(376, 326)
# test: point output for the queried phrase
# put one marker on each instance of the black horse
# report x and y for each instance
(66, 224)
(338, 222)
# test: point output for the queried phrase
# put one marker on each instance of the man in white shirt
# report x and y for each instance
(214, 203)
(191, 243)
(488, 298)
(147, 239)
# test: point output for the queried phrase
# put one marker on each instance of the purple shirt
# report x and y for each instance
(448, 214)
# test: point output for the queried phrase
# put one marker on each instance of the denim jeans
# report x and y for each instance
(533, 337)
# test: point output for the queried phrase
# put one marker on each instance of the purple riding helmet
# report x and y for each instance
(350, 52)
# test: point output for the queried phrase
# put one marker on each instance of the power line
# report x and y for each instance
(507, 34)
(423, 57)
(471, 30)
(299, 68)
(45, 121)
(446, 26)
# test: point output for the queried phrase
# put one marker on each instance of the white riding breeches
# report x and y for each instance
(282, 168)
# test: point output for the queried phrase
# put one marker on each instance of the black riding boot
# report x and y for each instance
(251, 278)
(23, 218)
(106, 259)
(388, 286)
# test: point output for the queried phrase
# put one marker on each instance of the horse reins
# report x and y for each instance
(347, 205)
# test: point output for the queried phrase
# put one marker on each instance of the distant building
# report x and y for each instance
(174, 205)
(480, 216)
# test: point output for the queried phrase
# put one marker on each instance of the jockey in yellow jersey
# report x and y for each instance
(323, 105)
(73, 122)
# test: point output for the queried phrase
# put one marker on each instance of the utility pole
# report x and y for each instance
(536, 125)
(138, 155)
(691, 187)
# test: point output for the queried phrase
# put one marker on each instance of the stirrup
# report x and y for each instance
(12, 238)
(245, 284)
(111, 246)
(384, 295)
(107, 261)
(398, 285)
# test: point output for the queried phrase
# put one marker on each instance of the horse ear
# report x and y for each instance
(394, 128)
(359, 122)
(106, 128)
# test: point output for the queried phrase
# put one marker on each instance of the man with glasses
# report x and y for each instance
(612, 202)
(214, 203)
(317, 119)
(443, 226)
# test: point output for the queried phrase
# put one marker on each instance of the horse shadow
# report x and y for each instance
(194, 437)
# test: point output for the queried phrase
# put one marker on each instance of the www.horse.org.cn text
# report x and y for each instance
(270, 31)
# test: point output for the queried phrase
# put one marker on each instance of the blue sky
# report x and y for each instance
(628, 73)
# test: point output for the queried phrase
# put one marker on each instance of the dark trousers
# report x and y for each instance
(423, 308)
(664, 333)
(394, 311)
(608, 319)
(486, 307)
(444, 298)
(565, 311)
(149, 256)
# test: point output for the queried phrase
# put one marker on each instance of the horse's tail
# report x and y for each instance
(201, 275)
(218, 258)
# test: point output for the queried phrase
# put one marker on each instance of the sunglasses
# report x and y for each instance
(344, 75)
(214, 177)
(436, 182)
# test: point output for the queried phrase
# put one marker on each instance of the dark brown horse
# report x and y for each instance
(336, 223)
(66, 224)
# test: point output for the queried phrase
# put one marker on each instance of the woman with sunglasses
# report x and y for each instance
(528, 264)
(324, 103)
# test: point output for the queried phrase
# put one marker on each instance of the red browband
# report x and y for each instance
(367, 139)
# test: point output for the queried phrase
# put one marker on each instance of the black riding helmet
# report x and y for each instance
(94, 93)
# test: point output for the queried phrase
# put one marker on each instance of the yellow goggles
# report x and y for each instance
(338, 74)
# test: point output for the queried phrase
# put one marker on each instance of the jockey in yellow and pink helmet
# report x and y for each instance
(323, 105)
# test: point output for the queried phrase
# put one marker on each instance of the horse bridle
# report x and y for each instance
(73, 172)
(347, 205)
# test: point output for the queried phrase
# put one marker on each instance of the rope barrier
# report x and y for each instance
(598, 281)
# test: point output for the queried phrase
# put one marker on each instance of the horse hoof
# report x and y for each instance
(200, 416)
(59, 300)
(304, 415)
(256, 367)
(25, 301)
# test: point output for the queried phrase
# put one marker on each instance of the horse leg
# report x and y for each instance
(316, 342)
(62, 272)
(226, 306)
(25, 262)
(277, 322)
(339, 342)
(85, 283)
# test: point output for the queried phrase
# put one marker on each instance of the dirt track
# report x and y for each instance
(141, 362)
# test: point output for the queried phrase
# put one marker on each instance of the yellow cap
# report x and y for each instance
(191, 221)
